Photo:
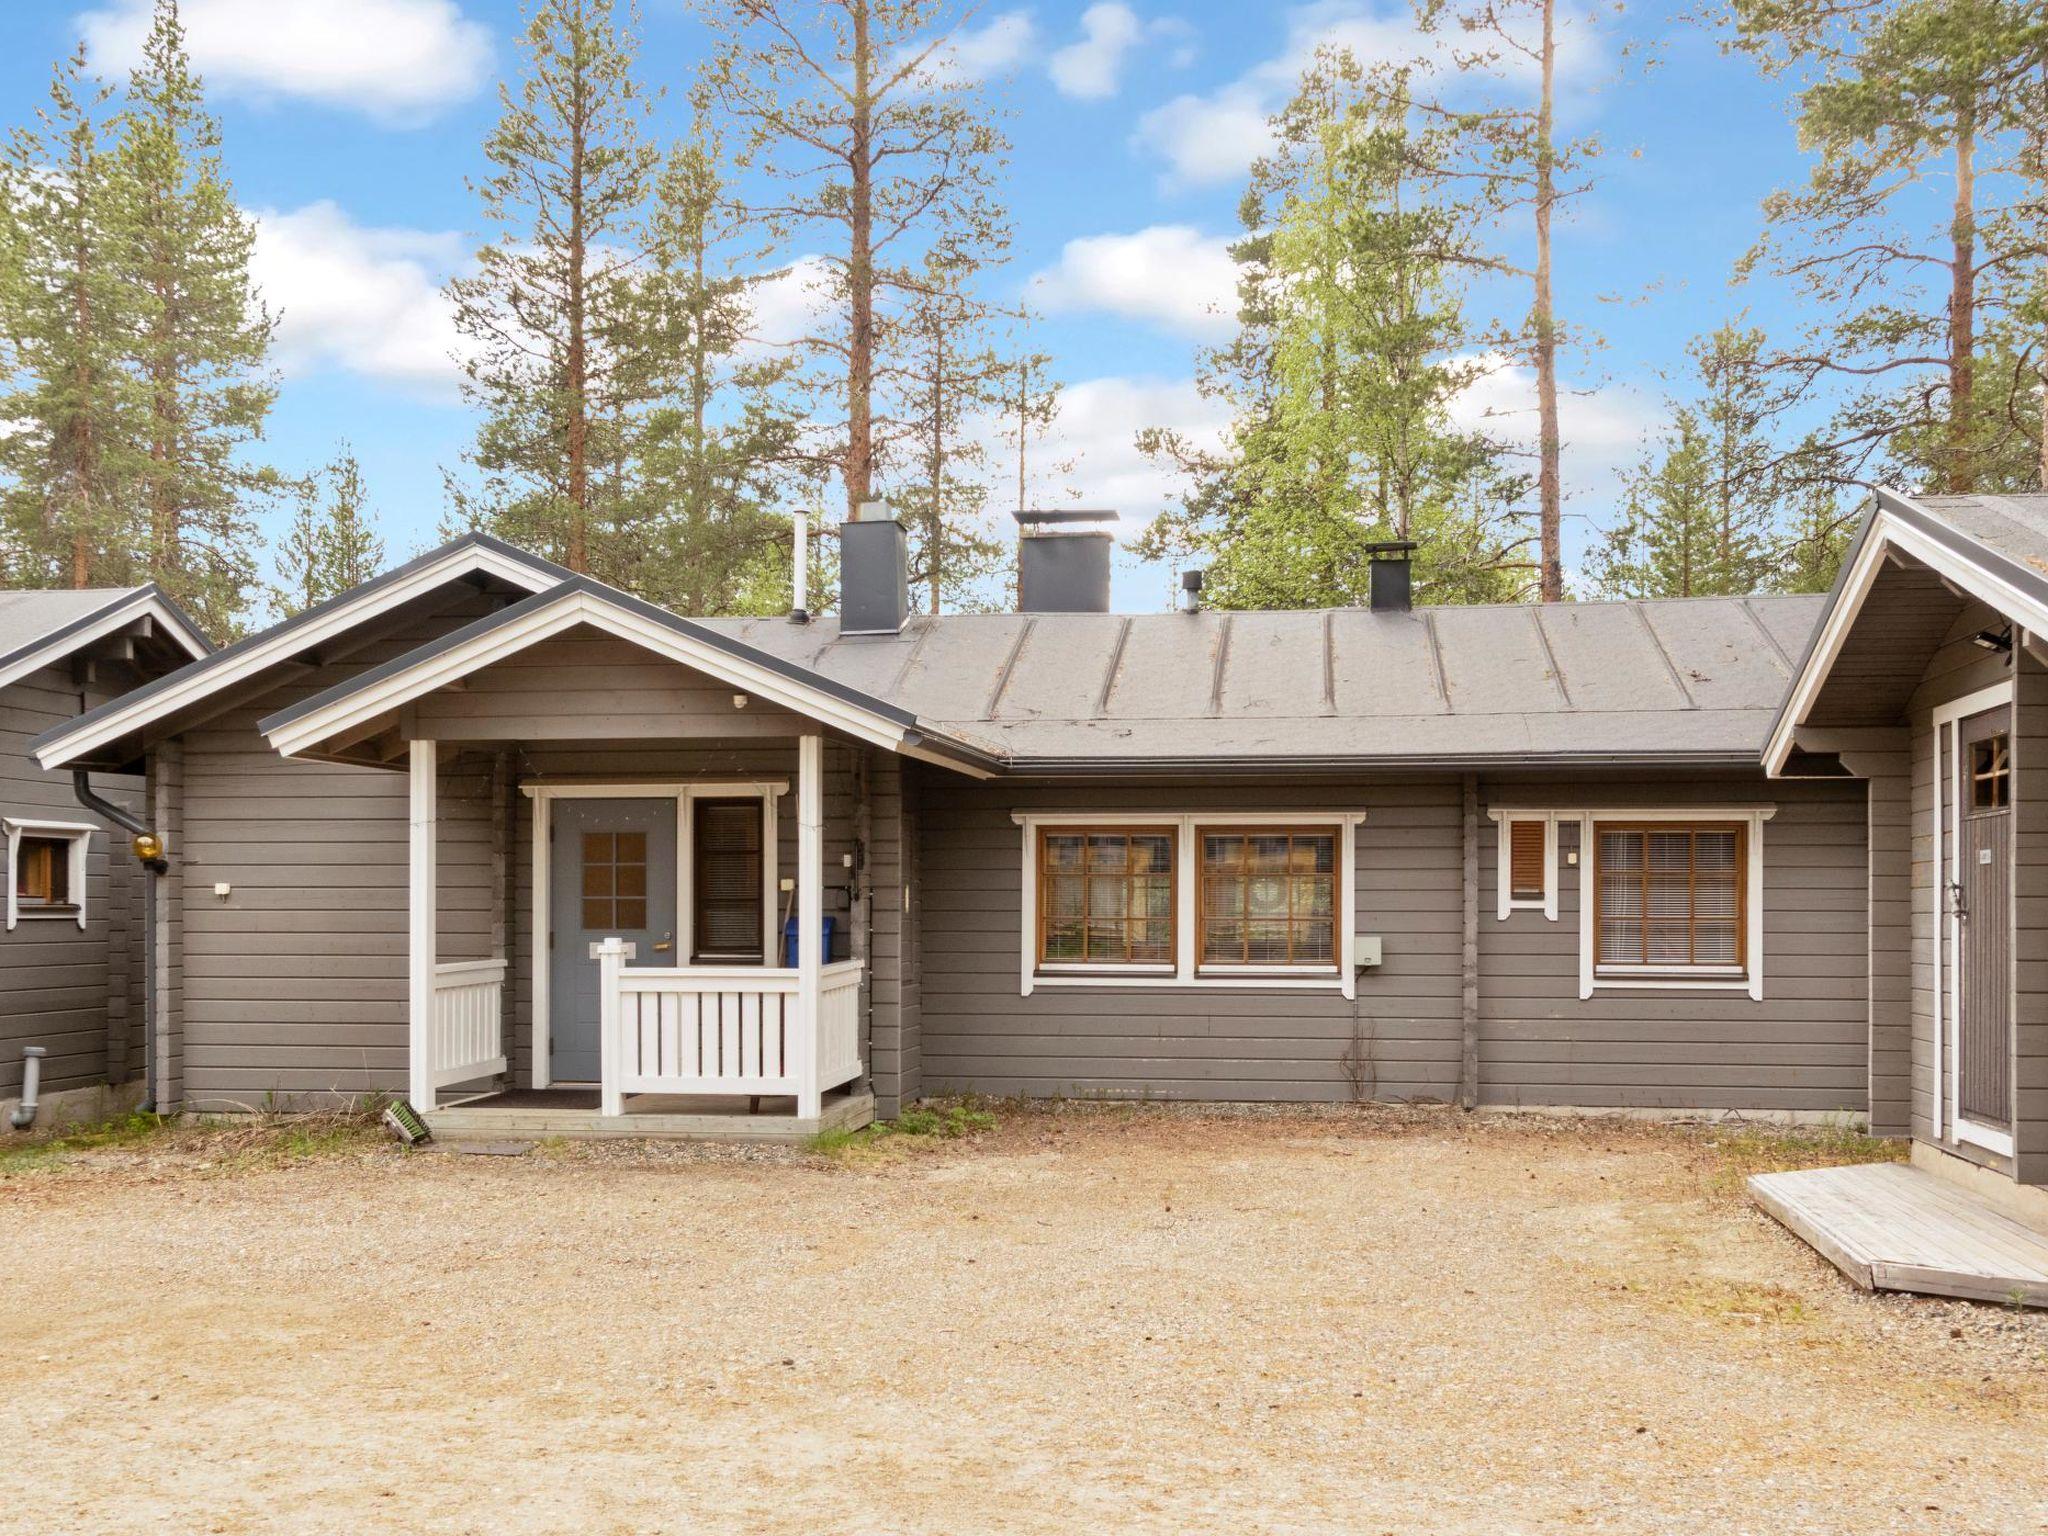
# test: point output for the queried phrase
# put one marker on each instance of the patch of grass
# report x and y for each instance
(35, 1150)
(935, 1121)
(1738, 1152)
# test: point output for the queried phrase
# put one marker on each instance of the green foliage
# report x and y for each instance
(331, 546)
(950, 1121)
(1341, 377)
(202, 338)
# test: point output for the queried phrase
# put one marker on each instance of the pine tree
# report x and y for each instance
(202, 337)
(560, 362)
(68, 506)
(1342, 374)
(875, 146)
(329, 547)
(1899, 93)
(712, 452)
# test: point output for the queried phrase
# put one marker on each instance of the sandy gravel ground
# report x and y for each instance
(1105, 1321)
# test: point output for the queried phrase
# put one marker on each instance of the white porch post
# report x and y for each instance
(423, 778)
(611, 954)
(810, 911)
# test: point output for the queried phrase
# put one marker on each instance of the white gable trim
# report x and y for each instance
(233, 666)
(501, 640)
(1888, 531)
(141, 603)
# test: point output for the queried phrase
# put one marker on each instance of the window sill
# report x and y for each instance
(1673, 981)
(1171, 981)
(69, 913)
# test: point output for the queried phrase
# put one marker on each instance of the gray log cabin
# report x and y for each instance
(72, 983)
(543, 856)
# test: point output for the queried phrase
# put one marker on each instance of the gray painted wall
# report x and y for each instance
(1801, 1048)
(76, 993)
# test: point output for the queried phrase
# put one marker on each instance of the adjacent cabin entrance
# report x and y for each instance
(1973, 772)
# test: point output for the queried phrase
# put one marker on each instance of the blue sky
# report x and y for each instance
(350, 126)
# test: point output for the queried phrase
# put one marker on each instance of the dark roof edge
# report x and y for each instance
(127, 597)
(580, 586)
(1318, 763)
(298, 621)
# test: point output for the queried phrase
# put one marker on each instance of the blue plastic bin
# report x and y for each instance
(825, 925)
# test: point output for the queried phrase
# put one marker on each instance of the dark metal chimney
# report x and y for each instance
(1392, 585)
(1062, 567)
(874, 573)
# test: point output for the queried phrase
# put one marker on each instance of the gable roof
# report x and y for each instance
(582, 602)
(1686, 680)
(1993, 547)
(41, 627)
(471, 556)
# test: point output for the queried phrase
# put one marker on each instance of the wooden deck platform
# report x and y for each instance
(534, 1114)
(1891, 1227)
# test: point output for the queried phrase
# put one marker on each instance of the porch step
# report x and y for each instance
(527, 1121)
(1892, 1227)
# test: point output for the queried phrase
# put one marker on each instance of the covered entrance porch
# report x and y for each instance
(614, 817)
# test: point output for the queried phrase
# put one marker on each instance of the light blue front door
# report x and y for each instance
(613, 866)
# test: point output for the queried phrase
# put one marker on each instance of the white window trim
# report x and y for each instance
(1547, 902)
(1185, 970)
(79, 835)
(1752, 980)
(1948, 1001)
(685, 793)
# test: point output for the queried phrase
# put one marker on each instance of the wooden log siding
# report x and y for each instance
(77, 993)
(1802, 1048)
(2030, 916)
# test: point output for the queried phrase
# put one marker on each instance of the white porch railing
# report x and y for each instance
(726, 1029)
(466, 1036)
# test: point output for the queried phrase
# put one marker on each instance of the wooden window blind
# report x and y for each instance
(1528, 876)
(1268, 897)
(42, 872)
(1671, 897)
(1105, 896)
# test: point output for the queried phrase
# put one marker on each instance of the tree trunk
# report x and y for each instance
(577, 552)
(860, 355)
(1548, 490)
(1962, 306)
(936, 539)
(697, 515)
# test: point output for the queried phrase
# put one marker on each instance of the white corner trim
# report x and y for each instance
(116, 616)
(1752, 981)
(78, 835)
(1547, 903)
(265, 651)
(1185, 971)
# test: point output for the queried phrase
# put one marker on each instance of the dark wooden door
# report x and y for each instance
(725, 882)
(1984, 929)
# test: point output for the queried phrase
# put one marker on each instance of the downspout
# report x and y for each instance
(148, 848)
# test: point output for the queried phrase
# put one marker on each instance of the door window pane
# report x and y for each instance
(614, 881)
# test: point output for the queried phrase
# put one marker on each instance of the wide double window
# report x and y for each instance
(1188, 899)
(1670, 899)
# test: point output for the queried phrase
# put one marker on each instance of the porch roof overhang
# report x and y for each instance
(341, 713)
(1998, 574)
(85, 623)
(112, 733)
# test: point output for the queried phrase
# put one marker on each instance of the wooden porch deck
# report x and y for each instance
(1891, 1227)
(574, 1113)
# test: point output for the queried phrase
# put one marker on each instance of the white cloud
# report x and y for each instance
(1170, 274)
(1604, 428)
(1213, 137)
(1089, 67)
(977, 53)
(363, 300)
(1094, 441)
(394, 59)
(788, 303)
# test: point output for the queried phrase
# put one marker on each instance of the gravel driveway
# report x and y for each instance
(1136, 1321)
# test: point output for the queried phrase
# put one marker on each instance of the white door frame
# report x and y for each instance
(685, 792)
(1946, 1108)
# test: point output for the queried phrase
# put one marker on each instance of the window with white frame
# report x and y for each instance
(46, 869)
(1218, 899)
(1673, 899)
(1527, 862)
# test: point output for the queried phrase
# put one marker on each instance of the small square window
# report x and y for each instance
(46, 870)
(1991, 773)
